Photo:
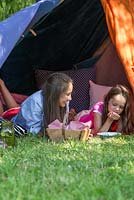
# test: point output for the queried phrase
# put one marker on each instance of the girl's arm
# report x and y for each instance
(99, 127)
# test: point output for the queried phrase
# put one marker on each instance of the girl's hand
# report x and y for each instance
(72, 114)
(114, 116)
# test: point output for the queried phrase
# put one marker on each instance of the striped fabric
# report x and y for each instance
(19, 130)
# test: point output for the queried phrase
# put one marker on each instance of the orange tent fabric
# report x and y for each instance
(120, 21)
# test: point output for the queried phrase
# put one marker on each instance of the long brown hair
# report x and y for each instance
(55, 85)
(127, 116)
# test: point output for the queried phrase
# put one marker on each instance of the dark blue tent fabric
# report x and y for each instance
(16, 26)
(66, 37)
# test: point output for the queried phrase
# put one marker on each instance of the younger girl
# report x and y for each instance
(46, 105)
(116, 113)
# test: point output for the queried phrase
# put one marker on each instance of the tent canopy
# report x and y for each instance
(54, 36)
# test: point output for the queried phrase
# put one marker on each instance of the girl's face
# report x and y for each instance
(116, 104)
(66, 96)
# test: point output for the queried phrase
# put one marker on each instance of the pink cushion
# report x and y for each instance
(97, 92)
(80, 96)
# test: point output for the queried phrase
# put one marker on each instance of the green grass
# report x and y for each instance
(39, 170)
(8, 7)
(96, 170)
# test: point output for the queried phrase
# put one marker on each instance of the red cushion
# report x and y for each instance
(19, 98)
(8, 114)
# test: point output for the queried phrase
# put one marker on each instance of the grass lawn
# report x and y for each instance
(8, 7)
(96, 170)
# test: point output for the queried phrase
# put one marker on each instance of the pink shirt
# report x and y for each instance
(98, 108)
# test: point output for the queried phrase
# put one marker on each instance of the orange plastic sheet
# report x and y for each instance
(120, 21)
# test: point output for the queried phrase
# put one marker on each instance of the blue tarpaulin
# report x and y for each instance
(13, 28)
(68, 33)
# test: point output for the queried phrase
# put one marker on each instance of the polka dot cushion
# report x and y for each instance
(80, 97)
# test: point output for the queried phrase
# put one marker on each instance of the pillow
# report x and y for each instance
(8, 114)
(97, 92)
(80, 96)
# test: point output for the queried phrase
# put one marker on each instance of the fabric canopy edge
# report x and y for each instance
(120, 21)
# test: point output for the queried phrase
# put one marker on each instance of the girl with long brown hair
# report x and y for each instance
(116, 113)
(46, 105)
